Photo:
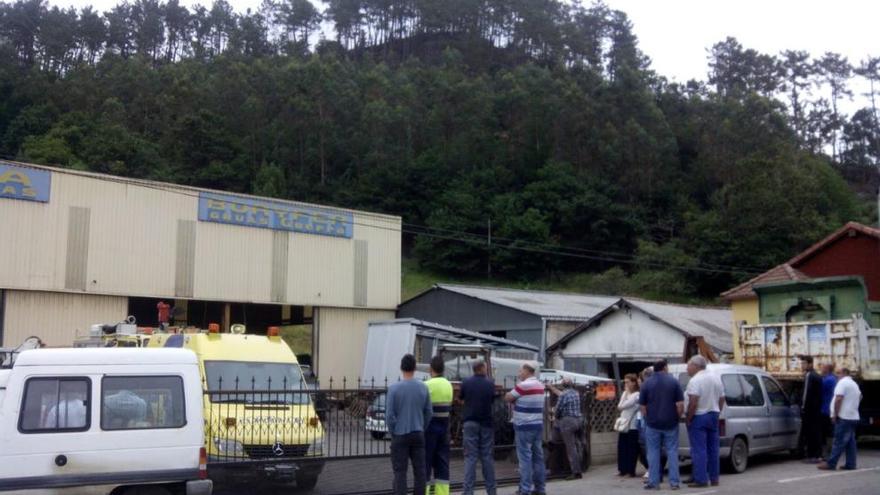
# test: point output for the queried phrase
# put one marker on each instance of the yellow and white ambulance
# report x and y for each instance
(260, 423)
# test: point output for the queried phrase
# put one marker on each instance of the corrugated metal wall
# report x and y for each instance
(55, 317)
(341, 335)
(146, 240)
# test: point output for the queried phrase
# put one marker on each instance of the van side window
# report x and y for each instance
(52, 405)
(733, 391)
(142, 402)
(752, 390)
(775, 393)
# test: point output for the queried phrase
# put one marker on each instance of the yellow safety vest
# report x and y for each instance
(441, 396)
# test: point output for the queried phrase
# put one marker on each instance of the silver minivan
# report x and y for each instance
(758, 418)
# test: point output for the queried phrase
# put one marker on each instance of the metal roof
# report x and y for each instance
(712, 323)
(459, 335)
(545, 304)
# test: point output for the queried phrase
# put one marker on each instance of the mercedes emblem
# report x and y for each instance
(278, 449)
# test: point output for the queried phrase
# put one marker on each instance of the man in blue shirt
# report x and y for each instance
(829, 381)
(662, 403)
(407, 413)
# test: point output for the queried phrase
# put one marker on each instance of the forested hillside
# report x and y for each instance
(540, 117)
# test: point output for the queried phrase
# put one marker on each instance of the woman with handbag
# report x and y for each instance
(628, 433)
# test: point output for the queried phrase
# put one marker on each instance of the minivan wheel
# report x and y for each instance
(146, 490)
(377, 435)
(739, 456)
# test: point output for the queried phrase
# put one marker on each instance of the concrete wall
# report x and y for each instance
(56, 318)
(340, 341)
(603, 448)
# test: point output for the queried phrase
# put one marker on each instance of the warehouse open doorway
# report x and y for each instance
(295, 321)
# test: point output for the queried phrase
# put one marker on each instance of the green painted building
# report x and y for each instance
(832, 298)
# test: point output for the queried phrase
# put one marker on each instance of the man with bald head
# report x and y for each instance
(705, 395)
(528, 424)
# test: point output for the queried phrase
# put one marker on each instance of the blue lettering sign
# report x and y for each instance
(29, 184)
(275, 215)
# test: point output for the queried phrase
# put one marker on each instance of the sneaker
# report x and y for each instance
(577, 476)
(674, 487)
(651, 487)
(694, 484)
(824, 466)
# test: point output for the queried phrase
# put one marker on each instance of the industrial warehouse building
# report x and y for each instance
(80, 248)
(539, 318)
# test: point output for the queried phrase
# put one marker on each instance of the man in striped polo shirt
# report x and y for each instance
(528, 423)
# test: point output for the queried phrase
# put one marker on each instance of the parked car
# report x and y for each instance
(100, 421)
(759, 416)
(375, 422)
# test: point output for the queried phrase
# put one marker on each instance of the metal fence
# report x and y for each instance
(257, 431)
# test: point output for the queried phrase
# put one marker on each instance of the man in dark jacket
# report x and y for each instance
(811, 411)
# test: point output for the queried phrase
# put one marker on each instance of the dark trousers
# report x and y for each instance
(568, 431)
(437, 450)
(628, 452)
(406, 449)
(813, 434)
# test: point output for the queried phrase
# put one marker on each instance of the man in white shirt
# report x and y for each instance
(845, 416)
(705, 394)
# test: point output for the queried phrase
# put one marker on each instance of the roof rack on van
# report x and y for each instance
(8, 354)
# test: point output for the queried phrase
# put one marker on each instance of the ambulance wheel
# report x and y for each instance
(306, 481)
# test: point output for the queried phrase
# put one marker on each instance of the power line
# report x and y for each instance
(421, 230)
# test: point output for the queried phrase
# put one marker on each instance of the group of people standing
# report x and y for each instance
(417, 416)
(829, 409)
(650, 409)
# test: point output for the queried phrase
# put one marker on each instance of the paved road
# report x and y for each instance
(767, 475)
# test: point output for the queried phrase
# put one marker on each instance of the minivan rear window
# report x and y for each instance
(733, 391)
(142, 402)
(752, 390)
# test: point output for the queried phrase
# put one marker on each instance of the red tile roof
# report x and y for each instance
(788, 271)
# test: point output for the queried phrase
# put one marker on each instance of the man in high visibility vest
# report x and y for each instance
(437, 435)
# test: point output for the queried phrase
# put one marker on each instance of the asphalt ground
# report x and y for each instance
(775, 474)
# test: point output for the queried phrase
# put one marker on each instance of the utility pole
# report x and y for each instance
(489, 246)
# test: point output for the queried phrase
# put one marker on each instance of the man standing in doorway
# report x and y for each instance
(407, 413)
(528, 423)
(437, 435)
(569, 425)
(478, 396)
(811, 411)
(705, 402)
(845, 415)
(662, 403)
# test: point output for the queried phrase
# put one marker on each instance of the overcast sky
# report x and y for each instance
(677, 33)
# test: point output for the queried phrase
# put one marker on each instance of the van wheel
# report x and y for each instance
(377, 435)
(146, 490)
(739, 456)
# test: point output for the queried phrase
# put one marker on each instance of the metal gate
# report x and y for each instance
(322, 441)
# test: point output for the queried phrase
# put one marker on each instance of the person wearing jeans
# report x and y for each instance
(705, 394)
(478, 396)
(407, 414)
(479, 442)
(662, 403)
(845, 415)
(528, 424)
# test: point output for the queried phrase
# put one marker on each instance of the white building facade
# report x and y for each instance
(79, 248)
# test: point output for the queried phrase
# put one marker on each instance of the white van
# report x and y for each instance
(100, 421)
